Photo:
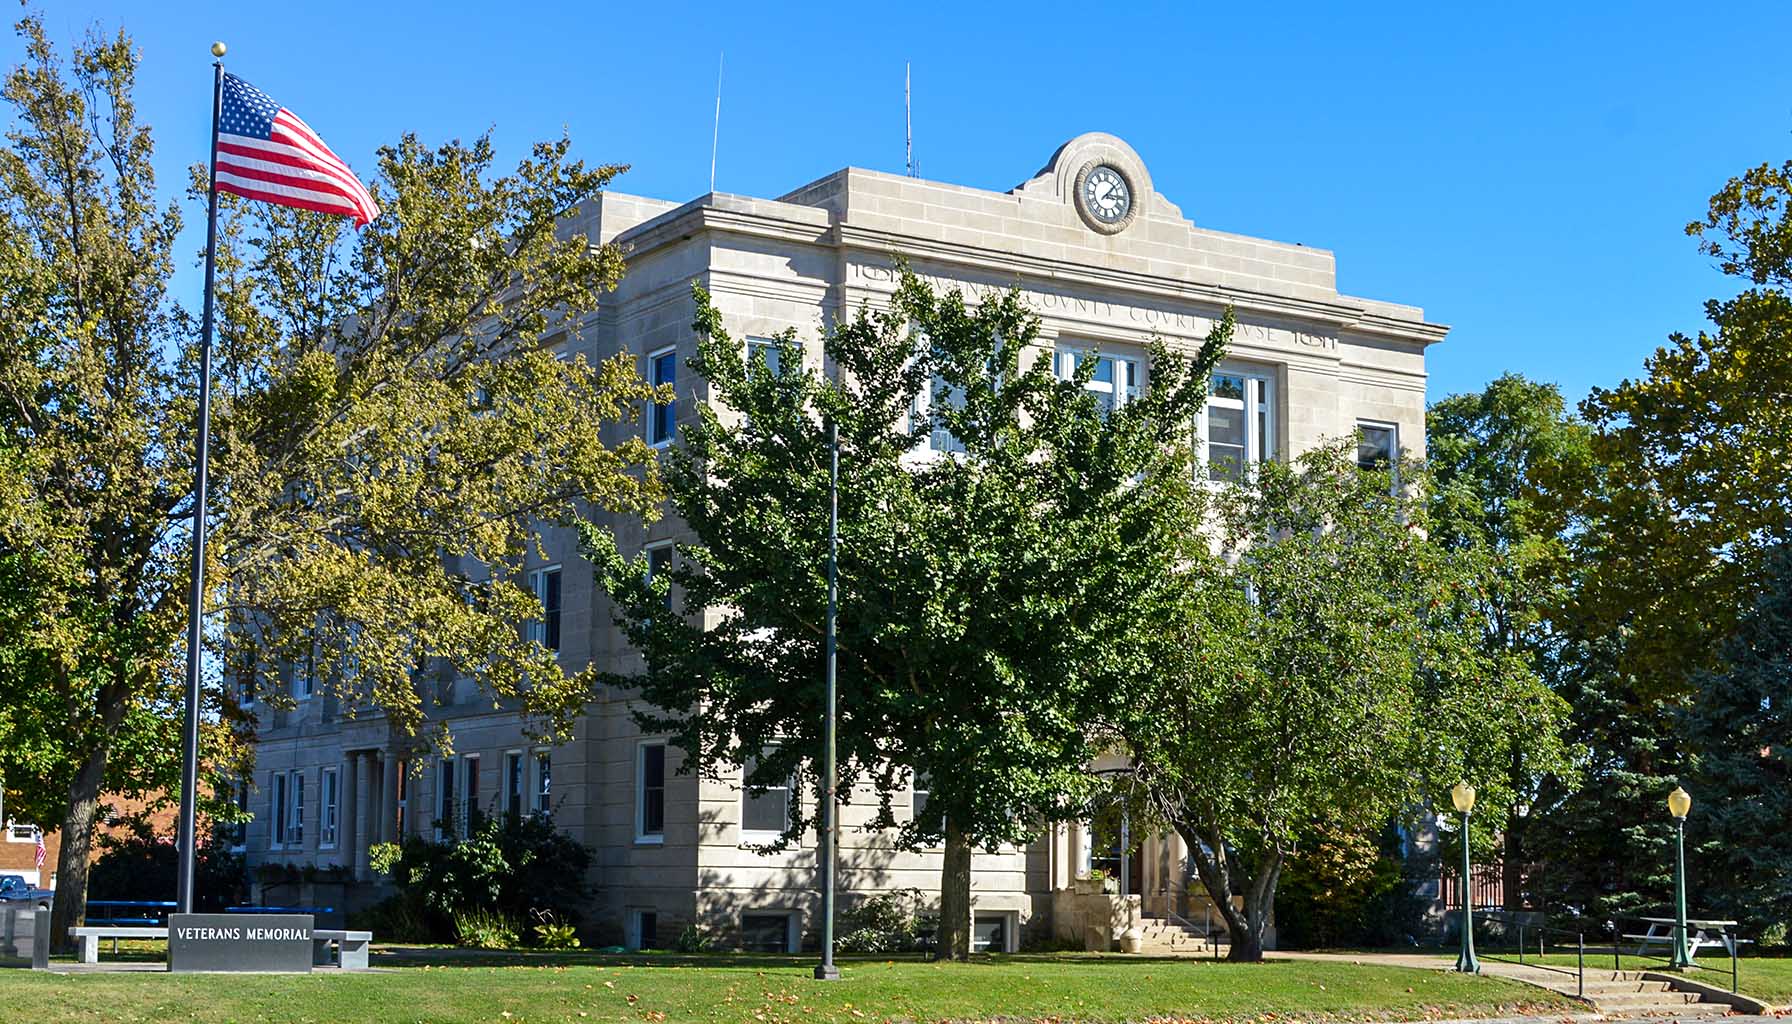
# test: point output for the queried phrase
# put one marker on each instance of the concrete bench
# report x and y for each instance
(350, 951)
(88, 939)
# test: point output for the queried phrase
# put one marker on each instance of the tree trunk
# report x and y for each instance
(953, 938)
(1244, 925)
(69, 908)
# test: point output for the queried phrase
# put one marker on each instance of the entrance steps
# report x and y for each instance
(1163, 936)
(1629, 994)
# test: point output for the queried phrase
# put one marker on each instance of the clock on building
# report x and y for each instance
(1104, 197)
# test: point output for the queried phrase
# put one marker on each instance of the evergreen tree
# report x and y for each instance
(1740, 730)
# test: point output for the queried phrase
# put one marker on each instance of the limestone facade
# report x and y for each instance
(1320, 364)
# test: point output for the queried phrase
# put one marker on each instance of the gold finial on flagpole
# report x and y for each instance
(218, 49)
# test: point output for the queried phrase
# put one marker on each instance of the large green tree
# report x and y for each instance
(1673, 528)
(1698, 453)
(390, 430)
(993, 517)
(1499, 460)
(1319, 670)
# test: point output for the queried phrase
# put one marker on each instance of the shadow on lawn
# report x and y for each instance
(443, 956)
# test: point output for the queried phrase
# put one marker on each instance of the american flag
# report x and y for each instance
(41, 853)
(265, 152)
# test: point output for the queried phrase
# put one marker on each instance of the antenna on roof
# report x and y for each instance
(716, 137)
(908, 114)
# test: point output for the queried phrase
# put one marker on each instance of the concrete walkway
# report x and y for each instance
(1608, 993)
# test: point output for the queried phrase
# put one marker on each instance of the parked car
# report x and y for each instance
(14, 889)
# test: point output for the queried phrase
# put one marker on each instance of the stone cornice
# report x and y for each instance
(783, 222)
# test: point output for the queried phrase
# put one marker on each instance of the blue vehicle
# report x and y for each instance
(14, 889)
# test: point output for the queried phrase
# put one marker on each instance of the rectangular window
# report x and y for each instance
(763, 351)
(239, 832)
(918, 801)
(513, 783)
(1115, 381)
(659, 562)
(643, 930)
(940, 397)
(1237, 429)
(767, 813)
(768, 933)
(295, 808)
(445, 808)
(329, 798)
(403, 769)
(990, 933)
(1378, 446)
(544, 782)
(278, 801)
(545, 583)
(662, 419)
(304, 677)
(650, 793)
(469, 802)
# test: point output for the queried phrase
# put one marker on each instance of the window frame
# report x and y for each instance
(770, 346)
(1363, 426)
(468, 791)
(642, 836)
(295, 810)
(516, 770)
(1261, 439)
(653, 550)
(635, 938)
(547, 630)
(760, 835)
(542, 792)
(1066, 355)
(329, 806)
(792, 928)
(279, 796)
(447, 768)
(669, 410)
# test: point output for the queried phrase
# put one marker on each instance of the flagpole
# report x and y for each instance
(189, 768)
(830, 808)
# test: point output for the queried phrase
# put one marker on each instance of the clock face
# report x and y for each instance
(1106, 195)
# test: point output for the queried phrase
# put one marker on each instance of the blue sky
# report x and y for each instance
(1523, 174)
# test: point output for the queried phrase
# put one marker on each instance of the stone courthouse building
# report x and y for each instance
(1107, 261)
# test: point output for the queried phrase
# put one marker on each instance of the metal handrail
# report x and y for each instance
(1543, 931)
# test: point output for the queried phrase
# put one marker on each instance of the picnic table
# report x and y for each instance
(1702, 933)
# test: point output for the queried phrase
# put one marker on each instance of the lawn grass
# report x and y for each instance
(1766, 978)
(584, 989)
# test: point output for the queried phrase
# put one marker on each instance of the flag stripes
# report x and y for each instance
(266, 153)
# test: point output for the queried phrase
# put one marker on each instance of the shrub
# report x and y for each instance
(889, 922)
(692, 939)
(484, 929)
(553, 933)
(514, 867)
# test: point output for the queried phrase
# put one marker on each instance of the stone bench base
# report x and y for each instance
(88, 939)
(350, 951)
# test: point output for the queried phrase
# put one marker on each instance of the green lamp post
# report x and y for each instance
(1679, 803)
(1463, 796)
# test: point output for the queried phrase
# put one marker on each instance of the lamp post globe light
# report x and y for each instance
(1463, 796)
(1679, 805)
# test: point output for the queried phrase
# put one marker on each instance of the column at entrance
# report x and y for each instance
(352, 781)
(360, 786)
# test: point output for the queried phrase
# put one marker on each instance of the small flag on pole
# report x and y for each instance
(266, 153)
(38, 862)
